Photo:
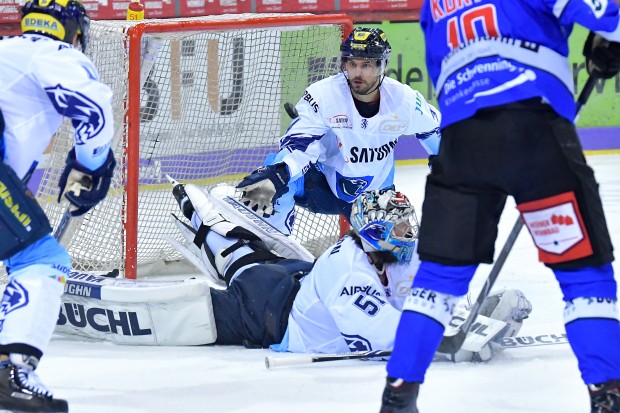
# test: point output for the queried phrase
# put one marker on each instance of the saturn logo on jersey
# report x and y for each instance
(15, 296)
(87, 117)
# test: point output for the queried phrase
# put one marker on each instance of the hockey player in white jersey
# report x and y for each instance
(342, 142)
(350, 299)
(44, 78)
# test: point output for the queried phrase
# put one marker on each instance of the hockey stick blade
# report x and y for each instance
(452, 344)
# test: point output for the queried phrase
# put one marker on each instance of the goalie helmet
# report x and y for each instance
(385, 220)
(58, 19)
(364, 43)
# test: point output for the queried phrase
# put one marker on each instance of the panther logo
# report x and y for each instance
(353, 187)
(15, 296)
(87, 117)
(357, 343)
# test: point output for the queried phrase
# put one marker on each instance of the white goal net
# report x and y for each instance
(207, 108)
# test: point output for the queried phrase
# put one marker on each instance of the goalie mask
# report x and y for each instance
(58, 19)
(364, 43)
(385, 220)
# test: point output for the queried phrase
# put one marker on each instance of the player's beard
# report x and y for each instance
(360, 86)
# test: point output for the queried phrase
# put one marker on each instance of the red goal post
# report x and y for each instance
(200, 99)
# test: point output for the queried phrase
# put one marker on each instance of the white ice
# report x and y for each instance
(104, 377)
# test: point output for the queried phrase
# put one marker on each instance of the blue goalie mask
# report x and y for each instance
(385, 220)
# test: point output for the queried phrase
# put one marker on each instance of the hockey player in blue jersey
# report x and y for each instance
(342, 142)
(505, 89)
(44, 78)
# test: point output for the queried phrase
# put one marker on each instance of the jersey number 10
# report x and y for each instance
(480, 21)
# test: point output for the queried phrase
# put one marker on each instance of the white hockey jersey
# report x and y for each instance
(356, 153)
(41, 81)
(342, 305)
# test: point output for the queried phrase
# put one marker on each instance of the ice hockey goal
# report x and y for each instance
(200, 99)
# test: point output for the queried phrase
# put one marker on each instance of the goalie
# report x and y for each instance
(350, 299)
(267, 291)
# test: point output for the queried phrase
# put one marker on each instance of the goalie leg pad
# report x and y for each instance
(22, 221)
(228, 256)
(240, 216)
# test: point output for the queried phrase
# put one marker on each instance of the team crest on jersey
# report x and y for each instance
(349, 189)
(340, 122)
(87, 117)
(15, 296)
(357, 343)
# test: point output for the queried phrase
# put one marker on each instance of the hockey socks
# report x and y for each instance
(417, 338)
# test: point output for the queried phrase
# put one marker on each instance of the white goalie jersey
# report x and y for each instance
(356, 153)
(342, 305)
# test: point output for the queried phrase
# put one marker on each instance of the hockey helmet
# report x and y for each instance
(365, 43)
(58, 19)
(385, 220)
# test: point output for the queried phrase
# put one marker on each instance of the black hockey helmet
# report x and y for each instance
(365, 43)
(58, 19)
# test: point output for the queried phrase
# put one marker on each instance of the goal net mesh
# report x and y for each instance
(211, 110)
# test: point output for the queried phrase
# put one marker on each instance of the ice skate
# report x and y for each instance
(400, 396)
(605, 397)
(22, 391)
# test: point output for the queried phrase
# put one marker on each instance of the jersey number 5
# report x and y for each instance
(367, 304)
(478, 22)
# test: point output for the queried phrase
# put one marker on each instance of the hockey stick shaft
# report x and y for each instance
(451, 344)
(61, 229)
(271, 362)
(506, 343)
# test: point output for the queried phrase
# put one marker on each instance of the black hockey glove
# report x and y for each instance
(262, 188)
(602, 56)
(84, 188)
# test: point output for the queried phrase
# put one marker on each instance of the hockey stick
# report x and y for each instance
(61, 229)
(452, 344)
(506, 343)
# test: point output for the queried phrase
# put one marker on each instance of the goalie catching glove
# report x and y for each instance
(262, 188)
(84, 188)
(602, 56)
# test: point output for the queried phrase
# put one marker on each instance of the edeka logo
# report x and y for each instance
(5, 196)
(102, 320)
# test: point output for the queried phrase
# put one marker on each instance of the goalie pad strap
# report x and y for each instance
(260, 256)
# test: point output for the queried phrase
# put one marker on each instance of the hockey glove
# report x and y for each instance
(262, 188)
(602, 56)
(84, 188)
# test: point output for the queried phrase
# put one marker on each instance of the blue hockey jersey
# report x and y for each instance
(482, 53)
